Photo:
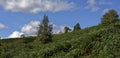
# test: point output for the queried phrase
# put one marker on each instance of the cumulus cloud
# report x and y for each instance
(2, 26)
(30, 28)
(59, 29)
(34, 6)
(91, 4)
(15, 34)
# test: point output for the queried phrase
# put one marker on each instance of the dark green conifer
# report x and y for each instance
(77, 27)
(45, 30)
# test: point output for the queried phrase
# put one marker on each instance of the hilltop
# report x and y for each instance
(93, 42)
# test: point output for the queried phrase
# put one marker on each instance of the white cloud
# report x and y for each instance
(105, 10)
(30, 28)
(34, 6)
(92, 5)
(59, 29)
(2, 26)
(15, 34)
(105, 3)
(95, 5)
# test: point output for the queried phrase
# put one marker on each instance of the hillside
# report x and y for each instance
(93, 42)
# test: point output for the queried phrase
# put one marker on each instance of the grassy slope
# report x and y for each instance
(94, 42)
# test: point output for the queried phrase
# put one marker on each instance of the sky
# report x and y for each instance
(19, 17)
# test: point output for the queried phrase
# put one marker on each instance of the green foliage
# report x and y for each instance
(67, 29)
(110, 17)
(45, 30)
(44, 39)
(77, 27)
(94, 42)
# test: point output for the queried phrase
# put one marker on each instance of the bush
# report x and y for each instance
(110, 17)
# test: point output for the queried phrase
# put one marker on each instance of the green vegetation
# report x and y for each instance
(110, 17)
(101, 41)
(77, 27)
(94, 42)
(67, 29)
(45, 31)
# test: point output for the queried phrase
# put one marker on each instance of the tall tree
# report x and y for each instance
(77, 27)
(67, 29)
(45, 30)
(110, 17)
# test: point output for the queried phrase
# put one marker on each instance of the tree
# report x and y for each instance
(22, 36)
(77, 27)
(45, 30)
(110, 17)
(67, 29)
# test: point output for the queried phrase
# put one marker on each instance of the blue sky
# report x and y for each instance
(19, 16)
